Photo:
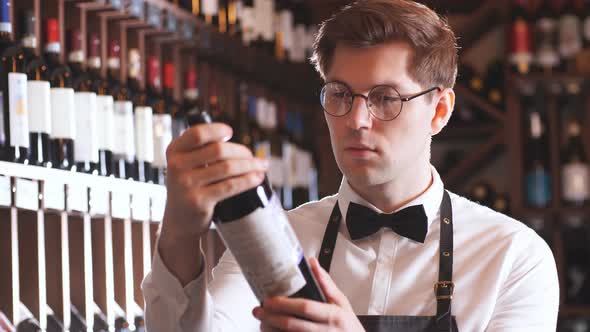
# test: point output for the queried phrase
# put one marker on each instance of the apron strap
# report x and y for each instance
(444, 288)
(329, 241)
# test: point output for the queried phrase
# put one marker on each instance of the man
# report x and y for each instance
(389, 68)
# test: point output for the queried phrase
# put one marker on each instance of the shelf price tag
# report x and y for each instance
(140, 207)
(158, 206)
(5, 191)
(77, 198)
(54, 195)
(27, 194)
(99, 200)
(120, 205)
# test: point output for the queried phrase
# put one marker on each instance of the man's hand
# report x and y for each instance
(285, 314)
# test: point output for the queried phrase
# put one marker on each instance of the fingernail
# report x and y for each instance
(227, 138)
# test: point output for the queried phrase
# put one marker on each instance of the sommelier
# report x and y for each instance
(395, 250)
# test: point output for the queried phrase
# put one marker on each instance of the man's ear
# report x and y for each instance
(443, 110)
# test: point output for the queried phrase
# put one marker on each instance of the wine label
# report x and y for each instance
(576, 182)
(120, 205)
(209, 7)
(286, 27)
(271, 115)
(39, 99)
(114, 63)
(77, 56)
(297, 54)
(18, 109)
(124, 130)
(248, 25)
(261, 112)
(570, 37)
(140, 206)
(99, 200)
(288, 174)
(5, 191)
(157, 207)
(27, 194)
(144, 134)
(267, 250)
(538, 188)
(54, 196)
(276, 172)
(6, 27)
(266, 20)
(77, 197)
(63, 121)
(162, 138)
(105, 119)
(262, 150)
(86, 147)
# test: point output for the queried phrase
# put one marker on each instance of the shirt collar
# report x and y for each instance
(430, 199)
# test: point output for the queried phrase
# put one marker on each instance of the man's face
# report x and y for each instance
(370, 151)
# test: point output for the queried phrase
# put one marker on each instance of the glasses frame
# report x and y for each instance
(366, 98)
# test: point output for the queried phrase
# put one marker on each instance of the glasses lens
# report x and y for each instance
(385, 102)
(336, 98)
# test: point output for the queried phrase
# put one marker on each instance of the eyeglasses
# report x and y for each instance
(383, 101)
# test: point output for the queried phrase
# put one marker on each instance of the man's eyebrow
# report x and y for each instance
(395, 85)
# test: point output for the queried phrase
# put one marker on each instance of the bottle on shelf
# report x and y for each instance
(520, 35)
(104, 108)
(575, 170)
(38, 94)
(190, 101)
(537, 175)
(276, 253)
(501, 203)
(63, 120)
(576, 250)
(14, 123)
(483, 193)
(210, 11)
(124, 150)
(547, 57)
(494, 84)
(570, 36)
(86, 148)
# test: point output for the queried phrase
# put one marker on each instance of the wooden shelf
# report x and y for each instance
(481, 103)
(461, 131)
(574, 310)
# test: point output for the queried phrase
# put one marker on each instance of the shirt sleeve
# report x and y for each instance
(529, 297)
(224, 304)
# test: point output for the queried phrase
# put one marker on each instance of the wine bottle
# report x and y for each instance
(483, 193)
(191, 101)
(28, 325)
(210, 10)
(547, 58)
(494, 84)
(14, 121)
(576, 251)
(256, 230)
(520, 38)
(104, 108)
(166, 120)
(570, 35)
(501, 204)
(38, 95)
(575, 169)
(537, 179)
(63, 122)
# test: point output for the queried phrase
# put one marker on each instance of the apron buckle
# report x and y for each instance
(446, 288)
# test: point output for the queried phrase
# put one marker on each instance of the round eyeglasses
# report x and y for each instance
(383, 101)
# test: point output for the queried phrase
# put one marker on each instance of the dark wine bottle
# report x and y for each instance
(501, 204)
(537, 179)
(28, 325)
(483, 193)
(547, 58)
(521, 40)
(256, 230)
(38, 95)
(576, 249)
(576, 171)
(63, 121)
(14, 121)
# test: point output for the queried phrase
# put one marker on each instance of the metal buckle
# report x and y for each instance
(446, 285)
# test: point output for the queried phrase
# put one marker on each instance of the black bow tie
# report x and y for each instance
(410, 222)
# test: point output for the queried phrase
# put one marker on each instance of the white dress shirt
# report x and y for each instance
(504, 273)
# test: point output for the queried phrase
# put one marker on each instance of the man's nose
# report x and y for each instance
(359, 116)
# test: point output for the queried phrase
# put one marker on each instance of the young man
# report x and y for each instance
(399, 249)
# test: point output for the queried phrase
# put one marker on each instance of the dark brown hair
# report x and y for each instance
(367, 23)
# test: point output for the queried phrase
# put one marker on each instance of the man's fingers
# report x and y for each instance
(273, 321)
(223, 170)
(308, 309)
(199, 135)
(209, 154)
(231, 187)
(331, 291)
